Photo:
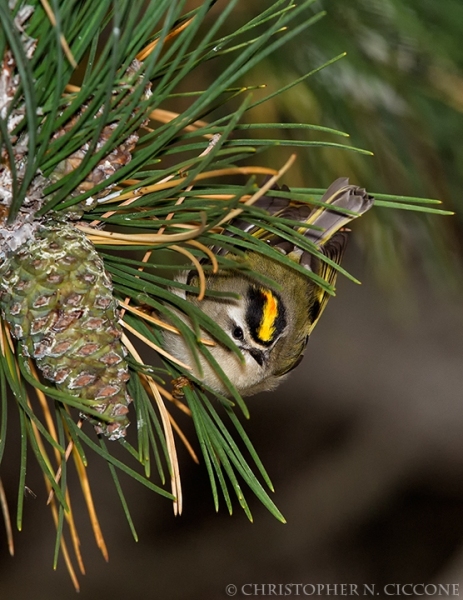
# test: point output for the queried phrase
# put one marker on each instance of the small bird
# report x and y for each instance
(271, 324)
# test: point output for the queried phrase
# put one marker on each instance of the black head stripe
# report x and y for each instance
(314, 310)
(265, 315)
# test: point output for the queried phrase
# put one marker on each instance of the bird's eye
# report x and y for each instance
(237, 333)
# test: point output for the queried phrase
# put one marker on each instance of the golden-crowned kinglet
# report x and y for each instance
(271, 324)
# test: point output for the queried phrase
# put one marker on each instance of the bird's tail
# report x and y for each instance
(340, 195)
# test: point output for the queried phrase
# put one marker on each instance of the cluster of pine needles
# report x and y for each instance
(150, 215)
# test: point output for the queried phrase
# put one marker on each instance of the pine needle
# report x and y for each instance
(158, 322)
(180, 405)
(64, 549)
(142, 239)
(208, 251)
(143, 54)
(172, 183)
(6, 519)
(68, 514)
(183, 439)
(63, 41)
(261, 192)
(67, 453)
(149, 343)
(83, 481)
(198, 267)
(87, 492)
(166, 116)
(172, 452)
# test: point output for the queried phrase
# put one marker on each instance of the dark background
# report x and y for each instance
(364, 445)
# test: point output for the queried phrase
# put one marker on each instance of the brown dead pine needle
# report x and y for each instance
(6, 519)
(151, 344)
(65, 46)
(176, 485)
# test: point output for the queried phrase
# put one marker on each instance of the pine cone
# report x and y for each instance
(57, 298)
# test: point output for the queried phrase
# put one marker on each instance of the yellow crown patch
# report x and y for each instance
(266, 329)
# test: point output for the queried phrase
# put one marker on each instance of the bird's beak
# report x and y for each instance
(258, 355)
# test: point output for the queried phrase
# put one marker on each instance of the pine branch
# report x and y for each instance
(103, 186)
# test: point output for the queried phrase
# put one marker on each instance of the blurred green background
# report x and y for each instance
(364, 443)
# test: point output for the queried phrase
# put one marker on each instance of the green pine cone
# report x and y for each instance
(57, 298)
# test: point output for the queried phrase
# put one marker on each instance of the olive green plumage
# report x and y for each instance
(271, 324)
(57, 298)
